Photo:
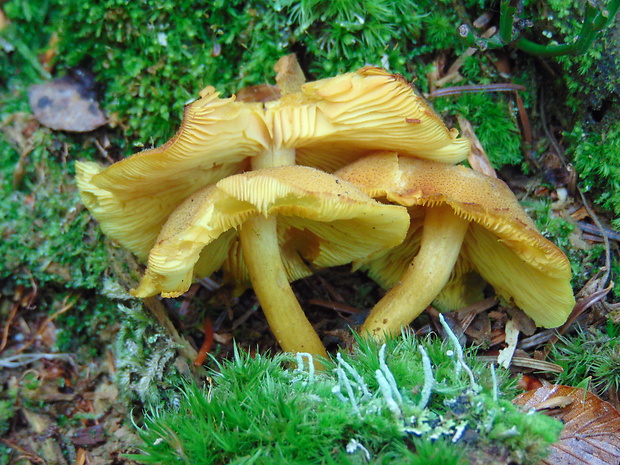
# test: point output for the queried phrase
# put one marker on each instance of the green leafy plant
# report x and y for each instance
(495, 123)
(405, 400)
(596, 18)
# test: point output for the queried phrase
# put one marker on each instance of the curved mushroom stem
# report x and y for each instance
(261, 251)
(442, 238)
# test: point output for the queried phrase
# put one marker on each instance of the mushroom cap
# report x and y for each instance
(321, 220)
(337, 120)
(132, 198)
(502, 243)
(328, 123)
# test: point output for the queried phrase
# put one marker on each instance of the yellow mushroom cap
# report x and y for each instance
(501, 244)
(334, 121)
(132, 198)
(320, 219)
(326, 124)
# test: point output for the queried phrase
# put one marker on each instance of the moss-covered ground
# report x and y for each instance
(69, 328)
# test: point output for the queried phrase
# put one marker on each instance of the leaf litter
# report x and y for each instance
(591, 434)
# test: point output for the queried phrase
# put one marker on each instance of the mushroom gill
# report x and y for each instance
(282, 217)
(458, 216)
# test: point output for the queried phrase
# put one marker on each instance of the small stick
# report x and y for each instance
(455, 90)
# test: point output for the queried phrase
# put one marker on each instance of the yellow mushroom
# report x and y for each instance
(266, 224)
(132, 198)
(463, 218)
(325, 124)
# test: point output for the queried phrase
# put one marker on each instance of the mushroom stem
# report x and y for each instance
(428, 273)
(273, 158)
(261, 252)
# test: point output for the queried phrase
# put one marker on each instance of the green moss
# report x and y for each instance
(151, 60)
(591, 353)
(147, 368)
(46, 235)
(257, 410)
(591, 77)
(24, 38)
(82, 329)
(344, 35)
(494, 122)
(596, 155)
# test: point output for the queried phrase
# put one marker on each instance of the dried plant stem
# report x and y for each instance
(157, 309)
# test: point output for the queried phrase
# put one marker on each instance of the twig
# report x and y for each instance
(477, 157)
(578, 309)
(18, 360)
(525, 122)
(338, 307)
(243, 318)
(536, 340)
(7, 326)
(597, 222)
(525, 362)
(468, 89)
(30, 456)
(593, 229)
(159, 312)
(16, 305)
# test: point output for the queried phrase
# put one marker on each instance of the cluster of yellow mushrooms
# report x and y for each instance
(351, 169)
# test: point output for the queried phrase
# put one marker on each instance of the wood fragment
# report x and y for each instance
(525, 362)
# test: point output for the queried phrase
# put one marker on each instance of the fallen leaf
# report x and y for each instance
(591, 434)
(477, 158)
(4, 22)
(46, 447)
(260, 93)
(104, 397)
(66, 104)
(522, 322)
(89, 436)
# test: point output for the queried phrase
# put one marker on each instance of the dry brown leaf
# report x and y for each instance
(67, 104)
(591, 433)
(259, 93)
(477, 158)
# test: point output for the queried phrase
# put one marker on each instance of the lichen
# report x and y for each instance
(369, 406)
